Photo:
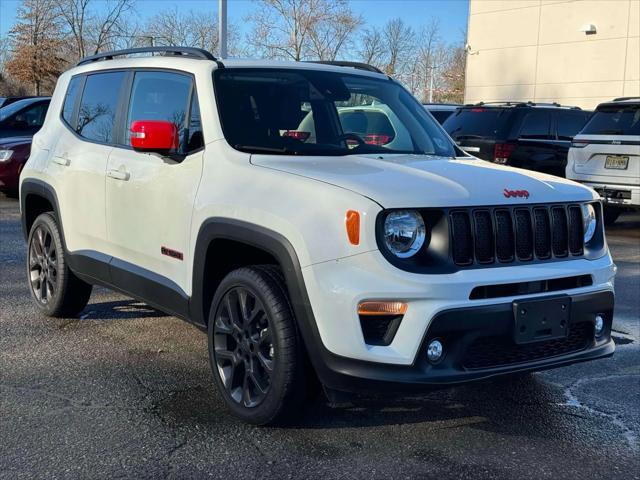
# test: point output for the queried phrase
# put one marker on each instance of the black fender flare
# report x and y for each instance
(33, 186)
(281, 249)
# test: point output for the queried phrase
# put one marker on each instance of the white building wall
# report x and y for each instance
(535, 50)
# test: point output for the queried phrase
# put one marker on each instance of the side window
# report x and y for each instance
(195, 139)
(570, 123)
(70, 100)
(32, 116)
(98, 106)
(161, 96)
(535, 125)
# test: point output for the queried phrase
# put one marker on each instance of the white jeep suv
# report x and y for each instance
(605, 155)
(361, 262)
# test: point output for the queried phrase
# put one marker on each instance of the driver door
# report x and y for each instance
(150, 197)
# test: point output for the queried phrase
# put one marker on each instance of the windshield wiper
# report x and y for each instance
(262, 149)
(610, 132)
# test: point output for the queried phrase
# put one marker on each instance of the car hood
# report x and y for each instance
(13, 141)
(402, 181)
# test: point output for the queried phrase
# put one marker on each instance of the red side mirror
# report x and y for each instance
(154, 136)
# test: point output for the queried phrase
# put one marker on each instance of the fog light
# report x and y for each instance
(599, 324)
(434, 351)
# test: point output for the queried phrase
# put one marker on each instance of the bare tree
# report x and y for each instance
(38, 41)
(90, 31)
(328, 37)
(301, 29)
(190, 29)
(372, 49)
(399, 38)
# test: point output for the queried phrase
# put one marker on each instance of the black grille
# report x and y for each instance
(484, 236)
(576, 230)
(488, 352)
(521, 234)
(559, 233)
(524, 235)
(543, 233)
(462, 238)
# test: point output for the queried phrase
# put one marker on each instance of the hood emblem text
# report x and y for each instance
(515, 193)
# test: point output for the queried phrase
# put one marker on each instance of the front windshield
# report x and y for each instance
(306, 112)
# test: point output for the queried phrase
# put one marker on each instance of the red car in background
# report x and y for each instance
(14, 152)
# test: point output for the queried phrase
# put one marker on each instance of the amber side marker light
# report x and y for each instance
(382, 308)
(352, 221)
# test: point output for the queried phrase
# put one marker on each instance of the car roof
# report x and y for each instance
(626, 101)
(190, 64)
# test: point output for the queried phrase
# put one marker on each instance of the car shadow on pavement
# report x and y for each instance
(120, 310)
(508, 405)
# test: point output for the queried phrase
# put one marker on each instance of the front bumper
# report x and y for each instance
(461, 330)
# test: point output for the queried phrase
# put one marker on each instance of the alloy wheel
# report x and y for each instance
(43, 264)
(243, 347)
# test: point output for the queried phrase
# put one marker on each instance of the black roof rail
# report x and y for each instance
(529, 103)
(341, 63)
(620, 99)
(179, 51)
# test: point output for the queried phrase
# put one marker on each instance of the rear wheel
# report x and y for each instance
(610, 214)
(53, 286)
(255, 351)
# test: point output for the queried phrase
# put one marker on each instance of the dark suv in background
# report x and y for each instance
(535, 136)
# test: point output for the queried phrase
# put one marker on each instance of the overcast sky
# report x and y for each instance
(451, 13)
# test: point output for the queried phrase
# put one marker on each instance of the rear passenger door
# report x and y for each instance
(150, 197)
(79, 162)
(535, 150)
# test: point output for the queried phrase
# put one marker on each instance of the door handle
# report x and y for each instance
(118, 175)
(61, 161)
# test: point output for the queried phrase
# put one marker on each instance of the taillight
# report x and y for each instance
(377, 139)
(502, 152)
(302, 136)
(579, 143)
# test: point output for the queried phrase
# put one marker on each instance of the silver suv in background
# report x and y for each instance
(605, 155)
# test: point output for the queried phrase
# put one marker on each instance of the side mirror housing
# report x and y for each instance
(154, 136)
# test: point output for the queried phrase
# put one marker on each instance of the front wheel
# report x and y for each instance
(255, 352)
(53, 286)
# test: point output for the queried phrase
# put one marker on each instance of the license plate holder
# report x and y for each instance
(541, 320)
(616, 162)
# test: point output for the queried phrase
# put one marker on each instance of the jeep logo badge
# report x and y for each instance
(516, 193)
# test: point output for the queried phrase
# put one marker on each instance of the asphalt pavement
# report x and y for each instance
(126, 391)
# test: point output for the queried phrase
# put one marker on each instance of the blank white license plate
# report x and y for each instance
(616, 162)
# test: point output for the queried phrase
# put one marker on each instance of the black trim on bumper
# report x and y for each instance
(460, 328)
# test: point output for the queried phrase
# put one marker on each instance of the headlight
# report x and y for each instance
(588, 221)
(404, 233)
(5, 155)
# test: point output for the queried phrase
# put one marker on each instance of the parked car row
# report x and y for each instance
(600, 148)
(20, 119)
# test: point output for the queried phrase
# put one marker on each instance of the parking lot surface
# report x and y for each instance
(126, 391)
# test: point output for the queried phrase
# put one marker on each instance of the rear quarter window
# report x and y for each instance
(477, 122)
(70, 100)
(614, 120)
(570, 123)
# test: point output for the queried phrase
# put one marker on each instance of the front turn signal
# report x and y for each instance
(352, 221)
(381, 307)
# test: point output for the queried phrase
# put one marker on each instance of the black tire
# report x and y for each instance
(53, 286)
(610, 214)
(256, 348)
